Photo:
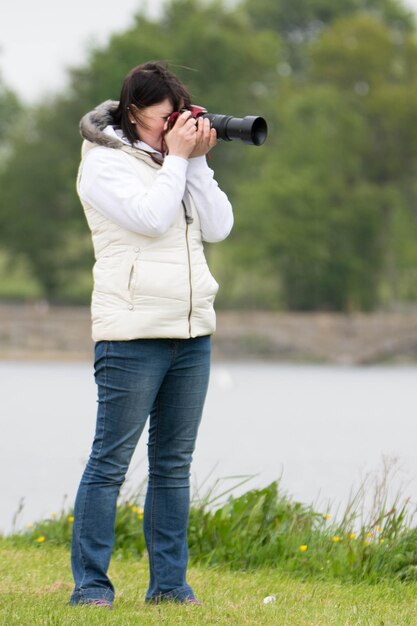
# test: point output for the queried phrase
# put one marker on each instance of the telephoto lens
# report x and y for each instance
(250, 129)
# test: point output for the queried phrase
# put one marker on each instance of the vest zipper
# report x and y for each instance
(189, 276)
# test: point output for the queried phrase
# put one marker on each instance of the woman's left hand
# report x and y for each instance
(206, 138)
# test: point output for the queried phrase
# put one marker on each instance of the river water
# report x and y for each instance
(319, 429)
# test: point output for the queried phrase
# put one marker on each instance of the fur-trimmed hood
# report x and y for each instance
(92, 125)
(93, 130)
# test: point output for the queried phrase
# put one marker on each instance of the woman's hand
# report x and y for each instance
(206, 138)
(182, 138)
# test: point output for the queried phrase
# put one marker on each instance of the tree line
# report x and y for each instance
(325, 210)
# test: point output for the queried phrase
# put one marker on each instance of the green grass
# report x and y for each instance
(35, 584)
(352, 571)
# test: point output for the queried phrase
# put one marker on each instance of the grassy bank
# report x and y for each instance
(266, 528)
(319, 571)
(35, 583)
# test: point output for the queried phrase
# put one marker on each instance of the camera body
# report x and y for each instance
(195, 111)
(251, 129)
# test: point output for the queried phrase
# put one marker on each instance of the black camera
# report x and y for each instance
(251, 129)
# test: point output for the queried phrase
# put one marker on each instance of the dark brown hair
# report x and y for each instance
(144, 86)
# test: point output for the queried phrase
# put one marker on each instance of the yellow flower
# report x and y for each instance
(135, 509)
(352, 536)
(303, 548)
(378, 529)
(140, 514)
(382, 541)
(327, 517)
(53, 515)
(336, 539)
(369, 534)
(40, 539)
(70, 518)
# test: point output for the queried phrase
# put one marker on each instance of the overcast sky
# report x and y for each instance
(39, 39)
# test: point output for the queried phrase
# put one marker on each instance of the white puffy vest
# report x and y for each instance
(149, 287)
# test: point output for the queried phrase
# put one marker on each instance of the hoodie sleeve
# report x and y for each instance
(213, 206)
(111, 186)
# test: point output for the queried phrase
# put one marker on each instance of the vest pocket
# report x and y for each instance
(117, 275)
(131, 284)
(130, 272)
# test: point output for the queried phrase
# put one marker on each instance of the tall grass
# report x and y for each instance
(267, 528)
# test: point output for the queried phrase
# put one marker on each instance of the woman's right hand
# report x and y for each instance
(182, 137)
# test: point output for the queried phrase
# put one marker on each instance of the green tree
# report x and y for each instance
(305, 17)
(298, 22)
(335, 187)
(40, 220)
(314, 215)
(325, 210)
(366, 59)
(10, 110)
(43, 218)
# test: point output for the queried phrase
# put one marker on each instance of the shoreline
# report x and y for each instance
(46, 333)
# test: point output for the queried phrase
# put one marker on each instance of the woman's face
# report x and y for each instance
(151, 122)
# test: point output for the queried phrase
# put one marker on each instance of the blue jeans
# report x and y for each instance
(167, 380)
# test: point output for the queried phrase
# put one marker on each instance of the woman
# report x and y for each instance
(150, 200)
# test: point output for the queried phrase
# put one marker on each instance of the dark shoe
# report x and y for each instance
(192, 601)
(102, 603)
(170, 599)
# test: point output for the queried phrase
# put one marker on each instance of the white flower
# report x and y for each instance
(269, 599)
